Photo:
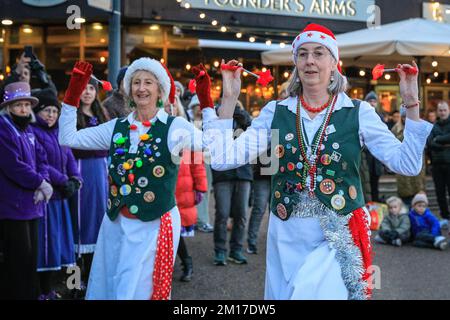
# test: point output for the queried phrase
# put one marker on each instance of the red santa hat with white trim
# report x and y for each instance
(317, 33)
(159, 70)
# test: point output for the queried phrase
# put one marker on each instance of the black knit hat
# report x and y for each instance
(121, 75)
(94, 83)
(46, 98)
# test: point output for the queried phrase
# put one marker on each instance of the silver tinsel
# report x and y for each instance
(337, 233)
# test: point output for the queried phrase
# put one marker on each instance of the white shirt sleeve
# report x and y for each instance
(405, 157)
(228, 153)
(94, 138)
(184, 135)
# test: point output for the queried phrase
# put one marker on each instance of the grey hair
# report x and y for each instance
(442, 104)
(338, 85)
(6, 111)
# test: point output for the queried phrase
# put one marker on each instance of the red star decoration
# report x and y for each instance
(322, 36)
(309, 35)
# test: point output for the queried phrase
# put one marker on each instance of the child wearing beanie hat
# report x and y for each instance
(395, 228)
(425, 227)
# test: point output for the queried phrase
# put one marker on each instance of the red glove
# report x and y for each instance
(203, 87)
(81, 73)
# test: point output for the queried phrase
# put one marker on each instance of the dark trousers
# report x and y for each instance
(261, 198)
(374, 181)
(231, 199)
(441, 178)
(182, 249)
(391, 235)
(19, 244)
(424, 240)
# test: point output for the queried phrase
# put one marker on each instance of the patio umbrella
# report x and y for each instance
(392, 43)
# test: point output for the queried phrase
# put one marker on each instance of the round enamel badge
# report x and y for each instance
(281, 211)
(113, 190)
(279, 151)
(291, 166)
(325, 159)
(158, 171)
(142, 182)
(338, 202)
(149, 196)
(289, 136)
(327, 186)
(134, 209)
(125, 190)
(352, 192)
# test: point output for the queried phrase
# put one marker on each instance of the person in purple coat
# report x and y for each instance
(56, 244)
(24, 189)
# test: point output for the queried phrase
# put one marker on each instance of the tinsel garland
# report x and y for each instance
(339, 237)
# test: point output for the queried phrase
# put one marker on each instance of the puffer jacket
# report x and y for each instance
(191, 178)
(438, 142)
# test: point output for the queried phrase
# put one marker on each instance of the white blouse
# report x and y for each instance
(400, 157)
(182, 134)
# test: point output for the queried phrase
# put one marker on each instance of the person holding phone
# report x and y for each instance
(29, 69)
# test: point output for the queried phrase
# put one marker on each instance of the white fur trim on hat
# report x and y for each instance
(315, 37)
(153, 66)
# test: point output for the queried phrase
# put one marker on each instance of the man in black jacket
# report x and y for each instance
(439, 146)
(231, 192)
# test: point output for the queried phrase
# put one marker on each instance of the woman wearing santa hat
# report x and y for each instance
(318, 242)
(139, 235)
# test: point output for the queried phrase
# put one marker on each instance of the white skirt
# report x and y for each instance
(300, 263)
(124, 258)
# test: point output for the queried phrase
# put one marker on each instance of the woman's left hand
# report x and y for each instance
(409, 89)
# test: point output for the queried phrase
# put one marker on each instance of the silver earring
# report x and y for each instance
(332, 78)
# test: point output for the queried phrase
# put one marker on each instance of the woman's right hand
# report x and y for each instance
(81, 73)
(231, 87)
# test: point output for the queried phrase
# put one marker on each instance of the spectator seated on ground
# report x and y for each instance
(395, 228)
(425, 226)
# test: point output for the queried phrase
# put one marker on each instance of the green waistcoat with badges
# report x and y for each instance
(144, 180)
(338, 184)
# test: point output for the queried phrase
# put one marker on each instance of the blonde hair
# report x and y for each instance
(338, 85)
(394, 199)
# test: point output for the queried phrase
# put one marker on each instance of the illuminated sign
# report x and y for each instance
(324, 9)
(43, 3)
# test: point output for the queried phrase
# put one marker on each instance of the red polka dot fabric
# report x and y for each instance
(163, 269)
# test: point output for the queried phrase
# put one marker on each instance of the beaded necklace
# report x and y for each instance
(310, 153)
(313, 109)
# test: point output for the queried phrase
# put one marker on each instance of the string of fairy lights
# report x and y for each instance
(210, 19)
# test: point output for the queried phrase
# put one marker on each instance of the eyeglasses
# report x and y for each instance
(317, 55)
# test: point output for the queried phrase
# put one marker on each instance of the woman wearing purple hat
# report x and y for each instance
(23, 178)
(56, 244)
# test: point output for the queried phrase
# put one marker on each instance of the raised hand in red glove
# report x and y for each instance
(81, 73)
(203, 87)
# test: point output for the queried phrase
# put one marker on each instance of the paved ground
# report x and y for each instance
(406, 272)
